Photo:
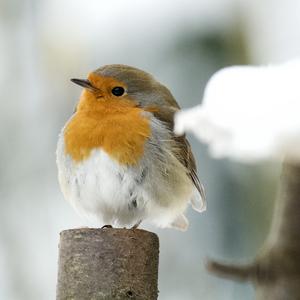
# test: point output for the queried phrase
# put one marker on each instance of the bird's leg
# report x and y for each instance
(136, 225)
(106, 226)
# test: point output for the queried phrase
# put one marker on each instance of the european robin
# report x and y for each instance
(119, 162)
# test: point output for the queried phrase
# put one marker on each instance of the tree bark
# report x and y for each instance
(276, 270)
(98, 264)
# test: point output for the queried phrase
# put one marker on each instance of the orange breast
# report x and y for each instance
(119, 131)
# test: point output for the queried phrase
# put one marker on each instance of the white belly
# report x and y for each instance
(101, 190)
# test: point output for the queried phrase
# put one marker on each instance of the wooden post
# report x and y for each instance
(96, 264)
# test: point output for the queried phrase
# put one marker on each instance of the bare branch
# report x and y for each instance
(276, 269)
(234, 272)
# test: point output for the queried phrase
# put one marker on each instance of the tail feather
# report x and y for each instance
(198, 202)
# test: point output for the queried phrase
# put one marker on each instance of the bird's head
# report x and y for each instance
(121, 85)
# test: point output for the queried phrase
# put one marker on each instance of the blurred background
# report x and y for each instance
(182, 43)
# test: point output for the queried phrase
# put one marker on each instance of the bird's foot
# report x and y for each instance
(136, 225)
(106, 226)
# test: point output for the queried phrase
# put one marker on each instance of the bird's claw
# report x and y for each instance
(106, 226)
(136, 225)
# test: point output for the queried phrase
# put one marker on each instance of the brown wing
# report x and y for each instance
(188, 160)
(184, 153)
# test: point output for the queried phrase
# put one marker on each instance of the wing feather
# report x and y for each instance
(183, 153)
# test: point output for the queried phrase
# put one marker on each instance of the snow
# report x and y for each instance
(249, 113)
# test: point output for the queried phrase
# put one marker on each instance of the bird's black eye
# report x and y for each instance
(118, 91)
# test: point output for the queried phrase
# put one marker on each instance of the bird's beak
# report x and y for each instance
(84, 83)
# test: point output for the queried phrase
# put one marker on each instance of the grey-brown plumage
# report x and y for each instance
(148, 92)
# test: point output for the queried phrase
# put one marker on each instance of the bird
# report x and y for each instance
(119, 161)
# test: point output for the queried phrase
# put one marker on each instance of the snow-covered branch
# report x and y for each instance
(249, 113)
